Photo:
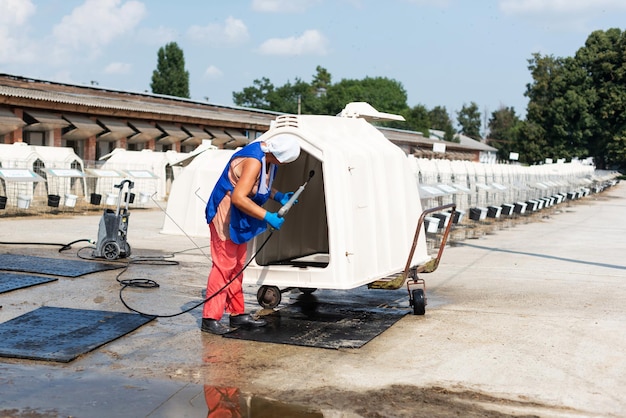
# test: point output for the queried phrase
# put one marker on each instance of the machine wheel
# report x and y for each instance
(126, 249)
(418, 301)
(307, 290)
(110, 250)
(268, 296)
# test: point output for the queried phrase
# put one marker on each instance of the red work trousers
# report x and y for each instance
(228, 260)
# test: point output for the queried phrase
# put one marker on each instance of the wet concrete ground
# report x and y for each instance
(526, 320)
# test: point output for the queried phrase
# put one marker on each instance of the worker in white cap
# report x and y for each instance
(235, 215)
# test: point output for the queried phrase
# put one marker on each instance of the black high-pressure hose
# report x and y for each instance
(148, 283)
(141, 283)
(144, 283)
(63, 246)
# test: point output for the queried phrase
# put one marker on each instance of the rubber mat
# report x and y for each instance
(12, 281)
(54, 266)
(62, 334)
(322, 325)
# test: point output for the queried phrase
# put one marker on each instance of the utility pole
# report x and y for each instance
(485, 127)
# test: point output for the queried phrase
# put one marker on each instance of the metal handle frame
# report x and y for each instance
(434, 263)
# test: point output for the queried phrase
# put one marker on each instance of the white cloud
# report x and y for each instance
(312, 42)
(14, 50)
(157, 36)
(560, 7)
(98, 22)
(118, 68)
(15, 12)
(232, 32)
(284, 6)
(14, 44)
(213, 72)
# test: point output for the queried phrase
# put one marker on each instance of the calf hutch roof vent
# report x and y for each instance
(366, 111)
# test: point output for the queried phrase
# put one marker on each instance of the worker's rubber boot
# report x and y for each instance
(246, 321)
(214, 327)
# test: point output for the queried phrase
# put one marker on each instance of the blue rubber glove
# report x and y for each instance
(283, 198)
(274, 220)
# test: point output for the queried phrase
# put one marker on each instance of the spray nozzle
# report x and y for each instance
(285, 208)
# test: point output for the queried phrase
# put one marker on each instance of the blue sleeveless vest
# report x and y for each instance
(242, 227)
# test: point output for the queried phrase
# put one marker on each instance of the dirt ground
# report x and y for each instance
(404, 401)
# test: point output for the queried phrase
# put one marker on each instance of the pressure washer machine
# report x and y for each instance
(113, 230)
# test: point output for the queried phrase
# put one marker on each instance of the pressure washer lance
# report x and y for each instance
(283, 210)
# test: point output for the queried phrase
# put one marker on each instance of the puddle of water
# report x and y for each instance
(40, 390)
(46, 392)
(224, 400)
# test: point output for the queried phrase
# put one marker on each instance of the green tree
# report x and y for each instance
(384, 94)
(323, 97)
(316, 104)
(504, 125)
(603, 61)
(288, 98)
(560, 102)
(440, 120)
(469, 119)
(321, 81)
(256, 96)
(294, 98)
(530, 143)
(580, 102)
(170, 76)
(417, 119)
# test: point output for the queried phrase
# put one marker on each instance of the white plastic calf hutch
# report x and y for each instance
(356, 223)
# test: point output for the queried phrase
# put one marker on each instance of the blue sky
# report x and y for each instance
(444, 52)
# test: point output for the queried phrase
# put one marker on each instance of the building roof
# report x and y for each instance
(42, 94)
(417, 138)
(465, 141)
